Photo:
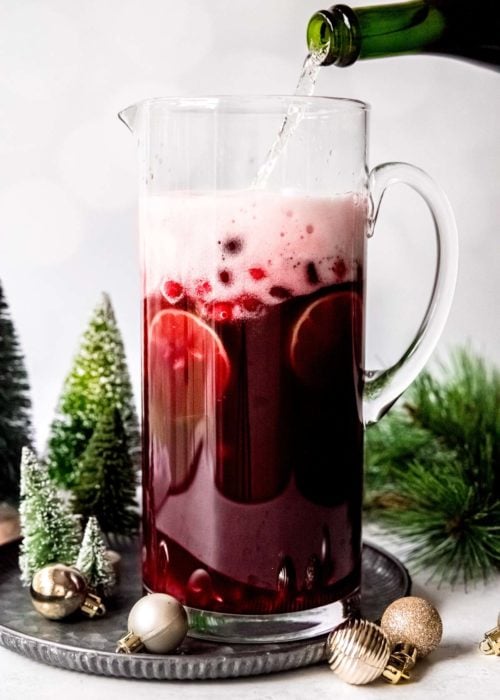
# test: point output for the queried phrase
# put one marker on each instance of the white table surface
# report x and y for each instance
(455, 670)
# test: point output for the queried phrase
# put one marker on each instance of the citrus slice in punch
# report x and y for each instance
(188, 367)
(322, 344)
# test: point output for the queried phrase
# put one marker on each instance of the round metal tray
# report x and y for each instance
(88, 645)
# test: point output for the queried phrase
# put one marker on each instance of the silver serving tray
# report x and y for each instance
(88, 645)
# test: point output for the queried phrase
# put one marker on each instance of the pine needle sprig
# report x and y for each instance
(449, 532)
(464, 410)
(433, 471)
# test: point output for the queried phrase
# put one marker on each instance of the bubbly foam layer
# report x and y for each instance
(249, 248)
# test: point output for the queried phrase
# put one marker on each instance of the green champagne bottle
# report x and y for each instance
(466, 29)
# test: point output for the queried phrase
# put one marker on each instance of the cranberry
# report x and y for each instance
(279, 292)
(339, 268)
(250, 303)
(226, 277)
(233, 246)
(202, 288)
(257, 273)
(221, 311)
(312, 273)
(172, 291)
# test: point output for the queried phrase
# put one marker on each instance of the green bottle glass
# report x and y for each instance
(466, 29)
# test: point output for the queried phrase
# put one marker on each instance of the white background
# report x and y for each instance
(68, 168)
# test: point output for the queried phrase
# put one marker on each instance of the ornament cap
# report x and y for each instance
(129, 644)
(93, 606)
(401, 661)
(490, 645)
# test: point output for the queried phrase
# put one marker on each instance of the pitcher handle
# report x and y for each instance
(383, 387)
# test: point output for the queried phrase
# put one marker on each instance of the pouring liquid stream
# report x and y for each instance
(305, 87)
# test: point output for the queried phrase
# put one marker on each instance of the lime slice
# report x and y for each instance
(187, 372)
(187, 364)
(322, 341)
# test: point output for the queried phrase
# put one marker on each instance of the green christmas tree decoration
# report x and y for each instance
(99, 378)
(15, 406)
(433, 470)
(105, 480)
(92, 560)
(51, 533)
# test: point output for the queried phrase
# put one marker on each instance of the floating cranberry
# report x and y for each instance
(226, 277)
(233, 245)
(220, 311)
(172, 291)
(339, 268)
(257, 273)
(279, 292)
(312, 273)
(202, 288)
(250, 303)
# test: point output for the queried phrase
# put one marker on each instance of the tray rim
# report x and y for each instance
(136, 665)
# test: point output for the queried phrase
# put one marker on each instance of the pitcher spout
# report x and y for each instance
(129, 116)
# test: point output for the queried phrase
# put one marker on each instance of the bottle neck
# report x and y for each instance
(341, 35)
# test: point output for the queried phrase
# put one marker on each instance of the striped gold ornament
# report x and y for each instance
(358, 651)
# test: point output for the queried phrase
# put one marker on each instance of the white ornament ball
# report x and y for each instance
(160, 621)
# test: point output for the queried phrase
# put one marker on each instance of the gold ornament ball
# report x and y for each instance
(414, 621)
(58, 591)
(358, 651)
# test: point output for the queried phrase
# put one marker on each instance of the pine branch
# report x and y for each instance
(433, 471)
(464, 412)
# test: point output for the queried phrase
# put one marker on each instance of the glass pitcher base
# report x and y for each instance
(280, 627)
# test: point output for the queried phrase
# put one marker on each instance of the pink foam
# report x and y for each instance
(250, 247)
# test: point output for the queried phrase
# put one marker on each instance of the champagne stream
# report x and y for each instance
(293, 117)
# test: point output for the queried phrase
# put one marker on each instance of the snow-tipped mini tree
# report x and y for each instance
(15, 406)
(99, 378)
(92, 560)
(51, 533)
(105, 478)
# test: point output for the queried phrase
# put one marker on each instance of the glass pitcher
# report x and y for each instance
(255, 390)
